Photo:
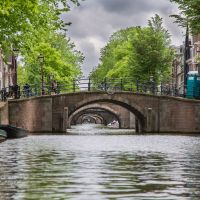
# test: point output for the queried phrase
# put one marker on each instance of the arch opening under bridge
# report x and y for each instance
(81, 111)
(89, 118)
(140, 121)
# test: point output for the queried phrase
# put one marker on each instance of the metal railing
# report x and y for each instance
(108, 85)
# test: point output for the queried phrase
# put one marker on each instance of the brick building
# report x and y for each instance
(7, 73)
(193, 61)
(4, 74)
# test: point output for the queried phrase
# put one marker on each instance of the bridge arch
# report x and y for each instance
(79, 111)
(117, 100)
(88, 118)
(97, 119)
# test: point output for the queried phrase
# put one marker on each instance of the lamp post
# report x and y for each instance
(186, 57)
(41, 60)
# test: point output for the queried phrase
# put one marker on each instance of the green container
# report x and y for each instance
(190, 86)
(193, 85)
(197, 90)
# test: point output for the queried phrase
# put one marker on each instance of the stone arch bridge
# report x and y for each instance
(153, 114)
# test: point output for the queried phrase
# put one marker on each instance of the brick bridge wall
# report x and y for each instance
(156, 114)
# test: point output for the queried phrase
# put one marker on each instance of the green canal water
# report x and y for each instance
(94, 163)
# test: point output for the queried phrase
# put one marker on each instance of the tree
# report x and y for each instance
(21, 16)
(138, 53)
(62, 61)
(190, 11)
(34, 27)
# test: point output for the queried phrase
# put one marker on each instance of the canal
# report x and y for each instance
(95, 163)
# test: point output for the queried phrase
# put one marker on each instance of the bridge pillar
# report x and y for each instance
(131, 120)
(65, 119)
(149, 119)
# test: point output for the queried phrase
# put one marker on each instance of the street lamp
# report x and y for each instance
(186, 57)
(41, 60)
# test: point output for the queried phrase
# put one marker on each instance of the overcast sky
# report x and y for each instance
(95, 20)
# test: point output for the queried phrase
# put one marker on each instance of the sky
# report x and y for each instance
(94, 21)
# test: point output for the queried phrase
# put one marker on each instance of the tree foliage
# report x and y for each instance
(138, 53)
(190, 13)
(20, 16)
(61, 61)
(34, 27)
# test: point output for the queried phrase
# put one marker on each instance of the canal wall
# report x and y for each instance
(4, 118)
(179, 115)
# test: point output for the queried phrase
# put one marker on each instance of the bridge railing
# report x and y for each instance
(87, 84)
(128, 84)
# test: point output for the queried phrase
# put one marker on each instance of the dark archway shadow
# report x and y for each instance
(80, 116)
(141, 126)
(78, 111)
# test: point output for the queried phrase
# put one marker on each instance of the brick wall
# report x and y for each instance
(156, 114)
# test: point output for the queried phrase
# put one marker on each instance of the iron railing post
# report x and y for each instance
(105, 84)
(18, 92)
(121, 84)
(89, 85)
(137, 86)
(153, 87)
(74, 85)
(161, 88)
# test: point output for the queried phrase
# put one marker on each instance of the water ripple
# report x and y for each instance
(101, 167)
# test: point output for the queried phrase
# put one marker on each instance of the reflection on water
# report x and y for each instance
(100, 167)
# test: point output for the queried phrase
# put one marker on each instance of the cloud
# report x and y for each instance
(95, 20)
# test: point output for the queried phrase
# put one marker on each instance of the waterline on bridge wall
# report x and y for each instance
(97, 129)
